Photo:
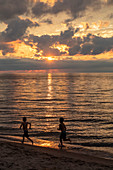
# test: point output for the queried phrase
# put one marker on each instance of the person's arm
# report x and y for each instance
(65, 127)
(59, 127)
(29, 125)
(21, 125)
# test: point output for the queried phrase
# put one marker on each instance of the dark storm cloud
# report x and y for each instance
(74, 7)
(76, 66)
(74, 50)
(12, 8)
(67, 33)
(87, 45)
(92, 45)
(109, 2)
(6, 48)
(45, 42)
(40, 8)
(101, 45)
(16, 29)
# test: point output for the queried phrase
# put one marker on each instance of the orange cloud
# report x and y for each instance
(61, 47)
(21, 50)
(85, 25)
(101, 24)
(50, 2)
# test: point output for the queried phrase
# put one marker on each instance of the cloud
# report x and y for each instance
(12, 8)
(109, 2)
(74, 7)
(87, 45)
(92, 45)
(6, 48)
(101, 45)
(40, 8)
(74, 50)
(47, 44)
(48, 21)
(16, 29)
(86, 25)
(67, 33)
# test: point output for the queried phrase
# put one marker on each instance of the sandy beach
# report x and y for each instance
(27, 157)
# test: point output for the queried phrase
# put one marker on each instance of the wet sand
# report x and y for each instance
(17, 156)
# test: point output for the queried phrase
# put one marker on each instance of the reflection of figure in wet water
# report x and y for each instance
(62, 127)
(25, 124)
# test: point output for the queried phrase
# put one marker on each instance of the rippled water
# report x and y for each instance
(85, 100)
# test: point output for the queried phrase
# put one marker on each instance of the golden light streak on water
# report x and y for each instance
(49, 85)
(45, 143)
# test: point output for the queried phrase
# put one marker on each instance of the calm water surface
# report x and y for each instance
(85, 100)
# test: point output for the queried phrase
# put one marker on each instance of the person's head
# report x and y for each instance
(61, 119)
(24, 119)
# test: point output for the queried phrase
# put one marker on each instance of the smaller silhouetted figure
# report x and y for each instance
(62, 127)
(25, 124)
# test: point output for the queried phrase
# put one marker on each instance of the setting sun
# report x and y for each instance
(50, 58)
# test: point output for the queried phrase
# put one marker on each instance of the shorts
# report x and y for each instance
(26, 133)
(63, 135)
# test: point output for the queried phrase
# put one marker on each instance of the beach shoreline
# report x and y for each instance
(15, 155)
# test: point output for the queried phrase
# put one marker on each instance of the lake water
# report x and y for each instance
(85, 100)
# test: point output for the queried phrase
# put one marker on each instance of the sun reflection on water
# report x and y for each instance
(49, 85)
(46, 143)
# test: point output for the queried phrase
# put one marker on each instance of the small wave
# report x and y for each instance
(45, 134)
(91, 137)
(11, 138)
(96, 144)
(7, 128)
(48, 100)
(107, 123)
(47, 117)
(85, 120)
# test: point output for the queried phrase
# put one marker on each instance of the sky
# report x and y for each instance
(56, 34)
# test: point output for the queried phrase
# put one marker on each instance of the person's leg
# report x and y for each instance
(23, 139)
(61, 140)
(30, 140)
(65, 138)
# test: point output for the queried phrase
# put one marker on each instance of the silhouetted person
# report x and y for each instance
(62, 127)
(25, 124)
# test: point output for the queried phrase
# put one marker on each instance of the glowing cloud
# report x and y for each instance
(61, 47)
